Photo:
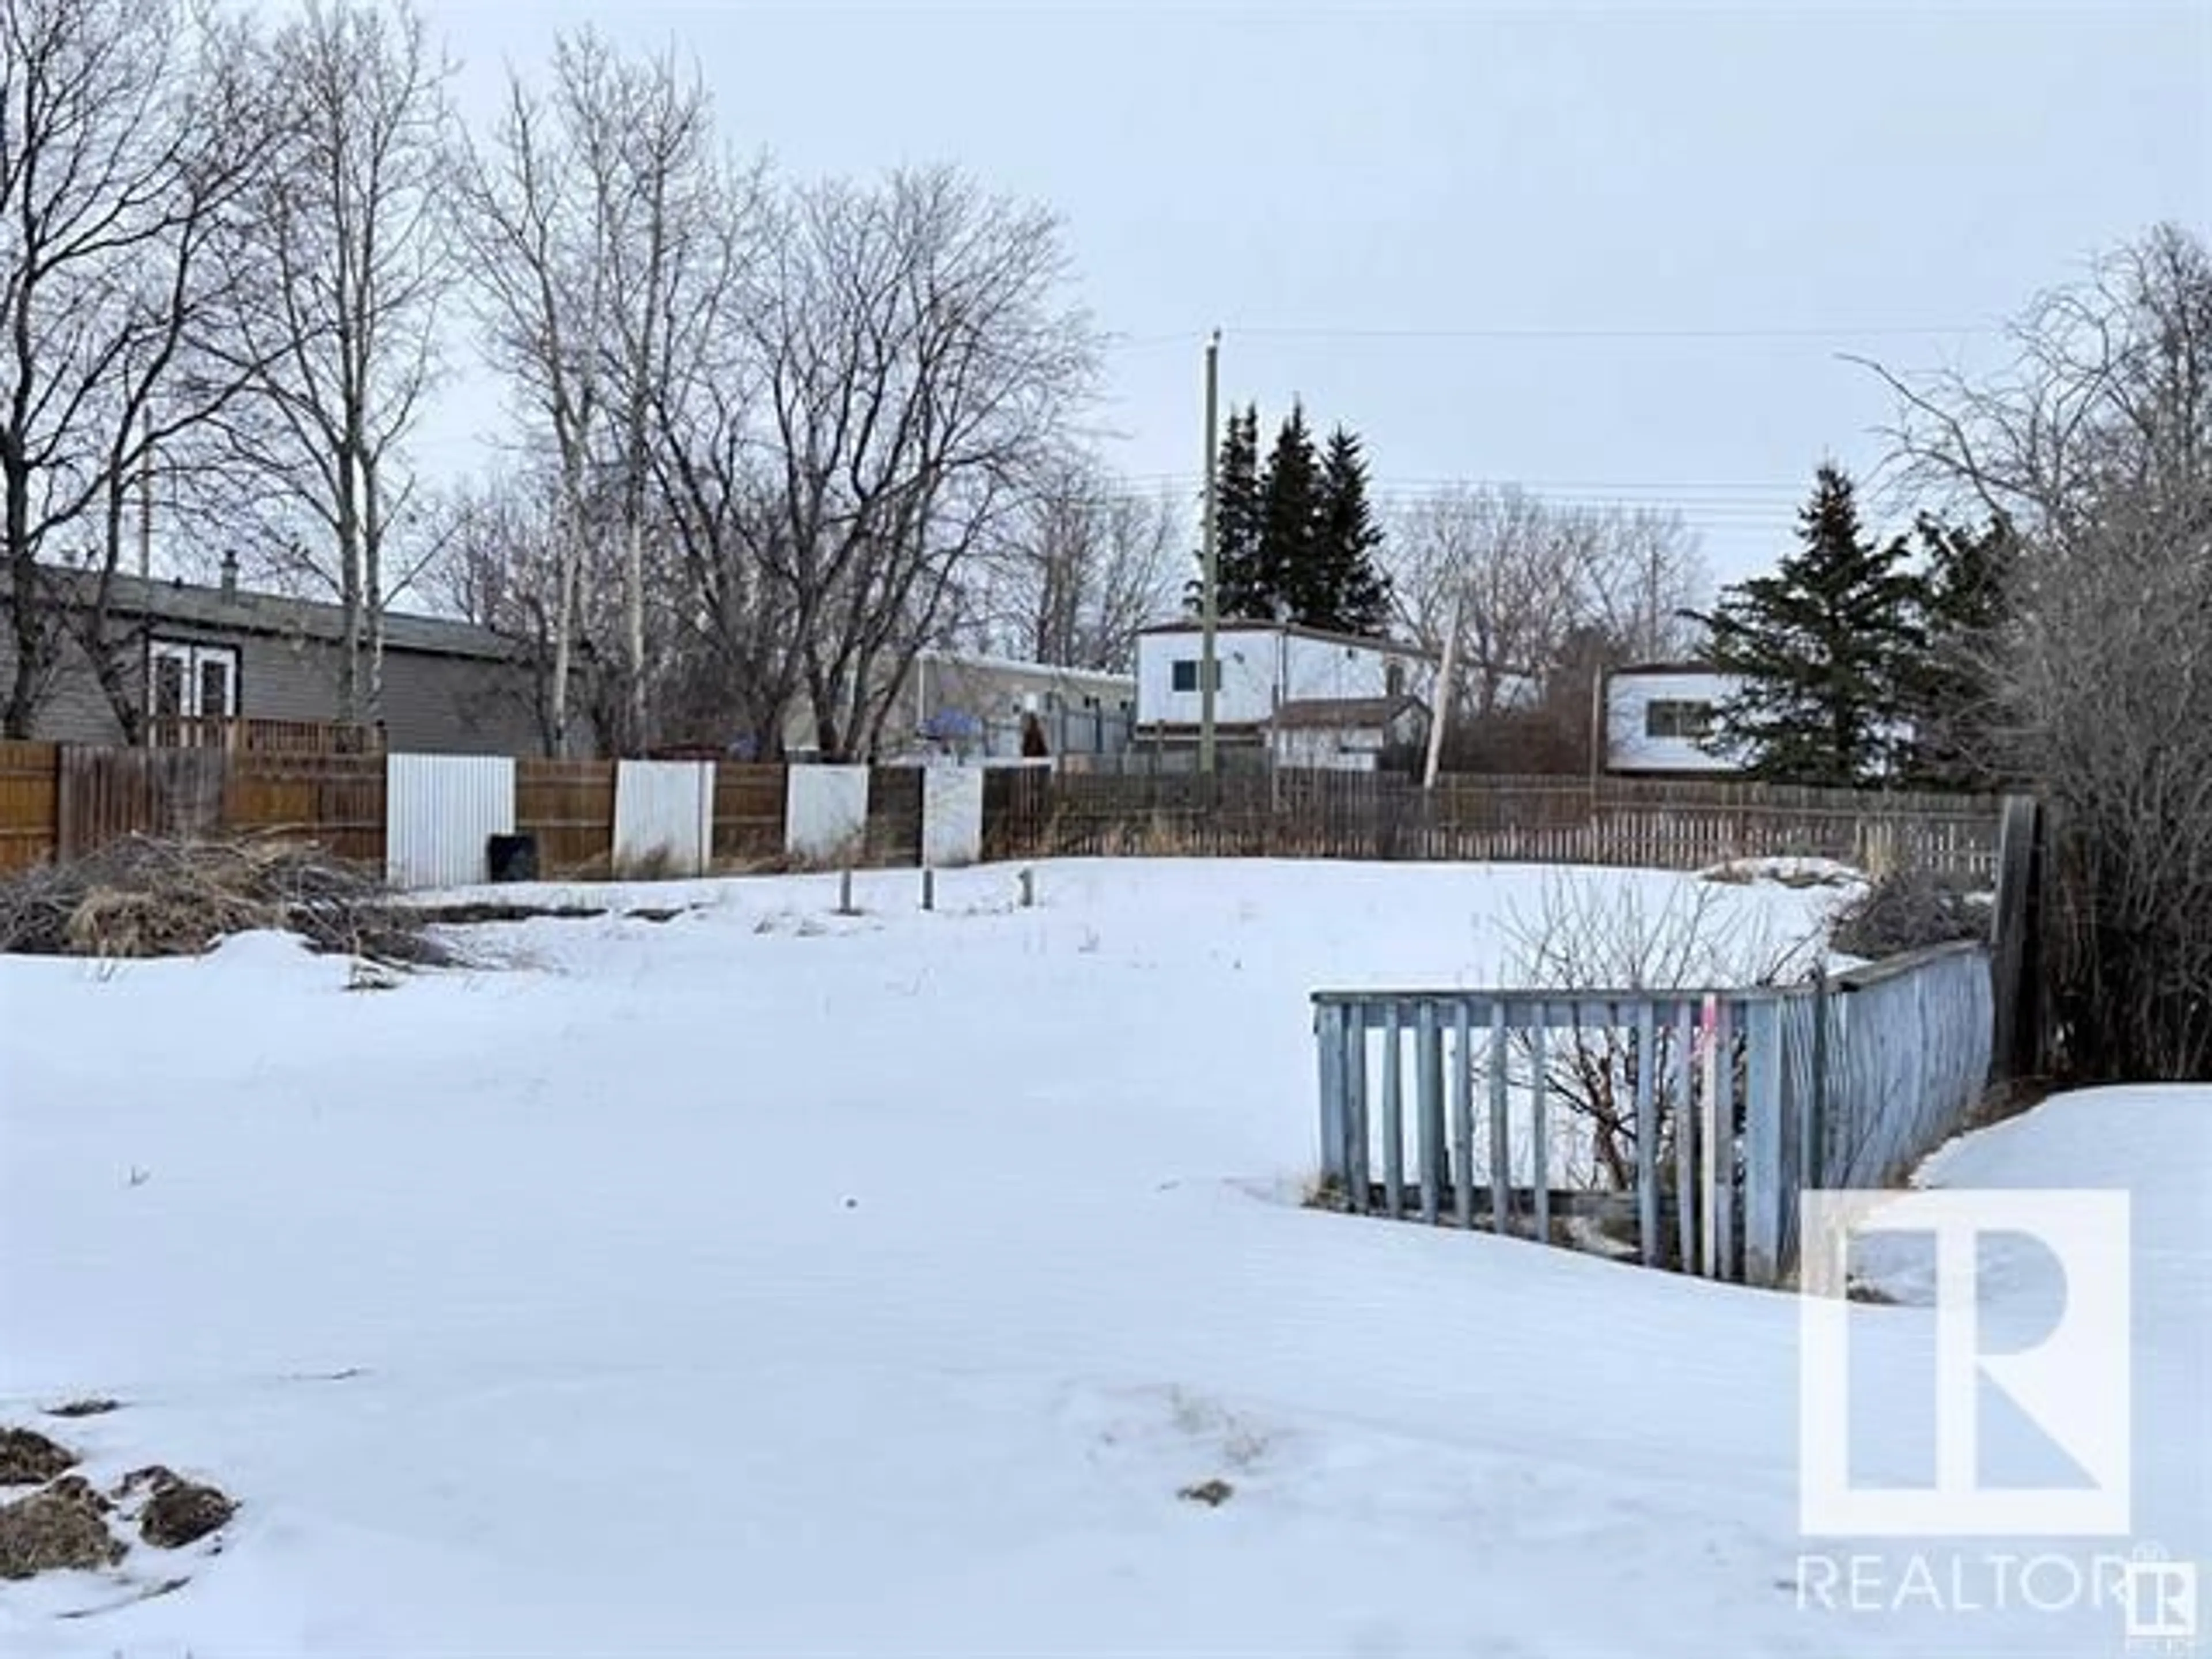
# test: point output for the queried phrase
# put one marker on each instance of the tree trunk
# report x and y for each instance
(372, 587)
(28, 610)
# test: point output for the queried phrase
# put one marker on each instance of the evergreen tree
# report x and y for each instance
(1295, 538)
(1240, 588)
(1340, 587)
(1290, 510)
(1824, 649)
(1961, 601)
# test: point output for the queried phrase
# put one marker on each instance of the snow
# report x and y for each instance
(770, 1282)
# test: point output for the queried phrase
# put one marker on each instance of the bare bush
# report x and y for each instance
(1910, 910)
(2093, 448)
(1601, 937)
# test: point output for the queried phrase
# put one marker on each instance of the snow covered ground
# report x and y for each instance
(769, 1282)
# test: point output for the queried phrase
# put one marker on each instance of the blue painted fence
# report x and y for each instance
(1673, 1126)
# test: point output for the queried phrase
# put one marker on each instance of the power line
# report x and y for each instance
(1832, 332)
(1750, 502)
(1535, 486)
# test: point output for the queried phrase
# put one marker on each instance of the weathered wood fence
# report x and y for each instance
(62, 801)
(1679, 1127)
(1618, 822)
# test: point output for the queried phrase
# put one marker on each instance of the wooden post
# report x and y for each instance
(1209, 607)
(1766, 1186)
(1717, 1140)
(1501, 1143)
(845, 894)
(1335, 1139)
(1462, 1124)
(1429, 1084)
(1394, 1127)
(1028, 890)
(1647, 1134)
(928, 888)
(2015, 943)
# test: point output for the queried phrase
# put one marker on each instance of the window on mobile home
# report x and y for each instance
(1677, 719)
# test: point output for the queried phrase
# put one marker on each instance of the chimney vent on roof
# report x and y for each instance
(230, 574)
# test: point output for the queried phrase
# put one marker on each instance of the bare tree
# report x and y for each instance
(1086, 566)
(353, 234)
(610, 234)
(499, 567)
(1495, 560)
(737, 664)
(1641, 570)
(917, 361)
(2094, 447)
(127, 139)
(1531, 582)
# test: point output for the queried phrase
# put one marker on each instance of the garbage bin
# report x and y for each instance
(512, 858)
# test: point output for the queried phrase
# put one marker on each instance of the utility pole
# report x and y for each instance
(1207, 616)
(1446, 672)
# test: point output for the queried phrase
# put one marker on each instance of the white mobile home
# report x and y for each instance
(966, 706)
(1344, 734)
(1656, 717)
(1258, 668)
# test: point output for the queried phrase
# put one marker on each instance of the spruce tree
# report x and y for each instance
(1240, 587)
(1951, 698)
(1290, 502)
(1340, 587)
(1824, 650)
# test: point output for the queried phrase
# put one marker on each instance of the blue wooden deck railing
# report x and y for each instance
(1694, 1118)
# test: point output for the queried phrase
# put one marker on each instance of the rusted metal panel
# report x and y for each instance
(440, 812)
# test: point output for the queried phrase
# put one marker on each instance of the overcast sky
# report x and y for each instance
(1610, 252)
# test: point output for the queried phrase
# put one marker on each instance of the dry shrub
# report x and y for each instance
(149, 897)
(1595, 935)
(657, 864)
(1910, 910)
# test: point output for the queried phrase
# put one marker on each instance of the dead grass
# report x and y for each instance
(147, 896)
(1212, 1493)
(92, 1405)
(659, 864)
(27, 1458)
(182, 1513)
(62, 1529)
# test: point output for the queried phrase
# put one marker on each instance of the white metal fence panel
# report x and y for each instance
(439, 811)
(825, 812)
(952, 816)
(663, 817)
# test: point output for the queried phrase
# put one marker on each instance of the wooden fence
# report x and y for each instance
(1349, 815)
(63, 801)
(1684, 1124)
(30, 791)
